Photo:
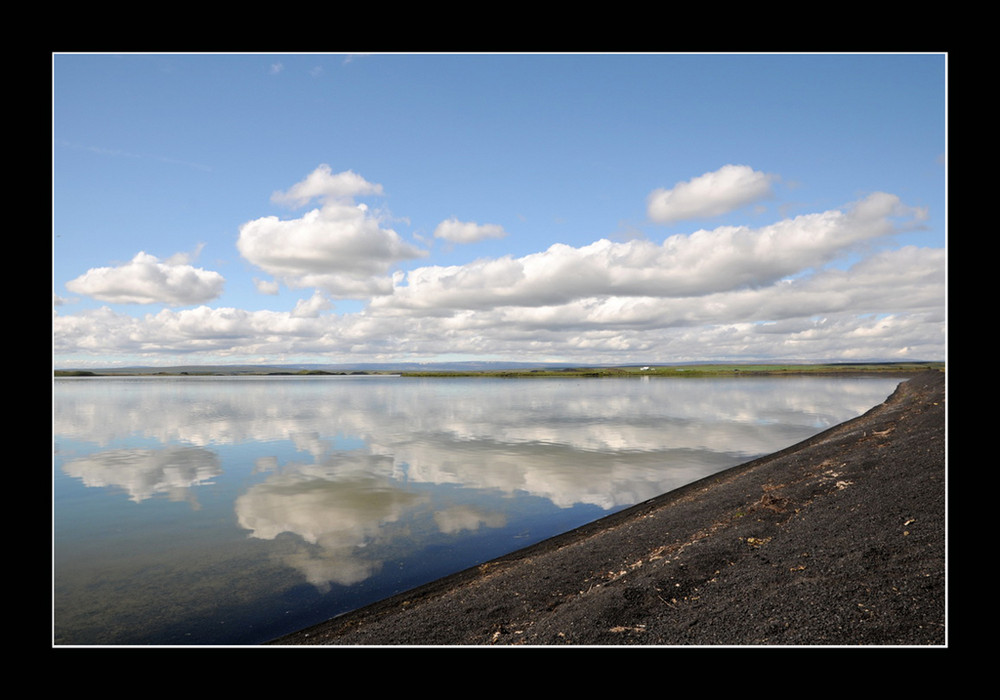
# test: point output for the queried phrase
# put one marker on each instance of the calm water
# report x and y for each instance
(233, 510)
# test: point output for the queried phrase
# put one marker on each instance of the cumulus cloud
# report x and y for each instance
(888, 306)
(327, 186)
(908, 281)
(704, 262)
(340, 247)
(147, 280)
(457, 231)
(311, 308)
(725, 293)
(269, 287)
(711, 194)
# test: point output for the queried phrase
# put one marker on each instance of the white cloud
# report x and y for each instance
(908, 281)
(711, 194)
(326, 186)
(889, 306)
(183, 258)
(726, 293)
(467, 231)
(268, 287)
(311, 307)
(704, 262)
(147, 280)
(340, 247)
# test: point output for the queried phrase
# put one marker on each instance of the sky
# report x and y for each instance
(573, 208)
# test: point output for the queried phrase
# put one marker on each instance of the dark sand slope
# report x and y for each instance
(839, 540)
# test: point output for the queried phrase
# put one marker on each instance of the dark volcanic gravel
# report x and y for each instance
(839, 540)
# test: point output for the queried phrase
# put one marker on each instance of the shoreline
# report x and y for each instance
(901, 369)
(838, 540)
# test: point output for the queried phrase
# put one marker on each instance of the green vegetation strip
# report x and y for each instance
(697, 370)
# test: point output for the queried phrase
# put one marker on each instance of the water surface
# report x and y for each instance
(231, 510)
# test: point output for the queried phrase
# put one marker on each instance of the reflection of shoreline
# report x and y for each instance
(617, 413)
(607, 444)
(341, 472)
(845, 545)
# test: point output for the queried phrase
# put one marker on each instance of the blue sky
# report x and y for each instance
(596, 208)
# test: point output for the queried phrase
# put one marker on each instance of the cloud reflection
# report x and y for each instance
(376, 452)
(334, 509)
(143, 474)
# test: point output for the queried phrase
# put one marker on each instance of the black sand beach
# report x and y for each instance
(839, 540)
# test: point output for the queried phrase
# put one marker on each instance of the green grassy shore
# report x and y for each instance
(708, 370)
(692, 370)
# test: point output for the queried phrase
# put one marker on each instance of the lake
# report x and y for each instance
(232, 510)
